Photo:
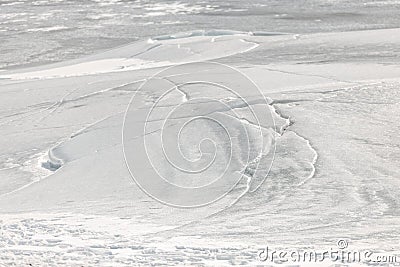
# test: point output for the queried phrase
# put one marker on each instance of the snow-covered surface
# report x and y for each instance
(67, 197)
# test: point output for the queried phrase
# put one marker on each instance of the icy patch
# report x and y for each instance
(48, 29)
(177, 8)
(11, 3)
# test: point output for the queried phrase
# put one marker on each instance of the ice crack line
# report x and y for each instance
(185, 95)
(281, 132)
(312, 75)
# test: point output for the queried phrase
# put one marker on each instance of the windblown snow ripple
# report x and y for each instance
(192, 132)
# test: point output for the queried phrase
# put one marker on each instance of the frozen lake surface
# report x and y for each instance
(37, 32)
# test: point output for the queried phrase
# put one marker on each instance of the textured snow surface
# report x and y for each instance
(67, 197)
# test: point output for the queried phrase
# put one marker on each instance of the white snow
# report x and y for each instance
(334, 173)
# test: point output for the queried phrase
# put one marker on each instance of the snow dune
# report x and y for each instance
(157, 52)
